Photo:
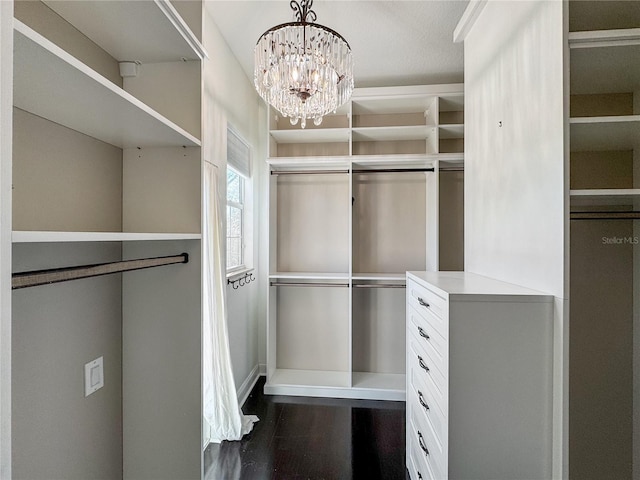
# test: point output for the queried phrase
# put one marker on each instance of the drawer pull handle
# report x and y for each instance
(422, 445)
(422, 333)
(422, 402)
(422, 364)
(423, 303)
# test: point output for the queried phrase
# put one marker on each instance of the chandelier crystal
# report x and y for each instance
(303, 69)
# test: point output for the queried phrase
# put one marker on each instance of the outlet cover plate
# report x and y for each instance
(93, 376)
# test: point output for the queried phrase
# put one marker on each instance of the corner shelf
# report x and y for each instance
(52, 84)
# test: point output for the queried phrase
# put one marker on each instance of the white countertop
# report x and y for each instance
(470, 285)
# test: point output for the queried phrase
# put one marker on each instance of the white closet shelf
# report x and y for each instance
(384, 382)
(391, 105)
(596, 54)
(419, 160)
(148, 32)
(385, 134)
(610, 196)
(605, 133)
(60, 237)
(604, 38)
(54, 85)
(451, 131)
(308, 163)
(379, 276)
(308, 378)
(308, 276)
(318, 135)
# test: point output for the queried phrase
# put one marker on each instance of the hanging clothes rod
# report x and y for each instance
(321, 284)
(308, 172)
(327, 172)
(605, 215)
(57, 275)
(304, 284)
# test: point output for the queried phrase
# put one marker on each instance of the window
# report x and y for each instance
(235, 220)
(239, 225)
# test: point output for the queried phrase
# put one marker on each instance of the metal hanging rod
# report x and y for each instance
(325, 284)
(635, 215)
(57, 275)
(328, 172)
(308, 172)
(304, 284)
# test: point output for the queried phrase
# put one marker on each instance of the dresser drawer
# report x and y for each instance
(424, 445)
(421, 399)
(421, 365)
(417, 466)
(430, 306)
(435, 345)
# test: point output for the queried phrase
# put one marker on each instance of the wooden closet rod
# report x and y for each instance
(326, 172)
(605, 215)
(56, 275)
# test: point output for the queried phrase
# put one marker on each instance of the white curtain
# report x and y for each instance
(223, 419)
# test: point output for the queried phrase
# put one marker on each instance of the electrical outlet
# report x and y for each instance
(93, 376)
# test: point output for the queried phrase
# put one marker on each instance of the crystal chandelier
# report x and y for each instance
(303, 69)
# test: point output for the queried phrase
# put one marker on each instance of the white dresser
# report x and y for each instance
(479, 378)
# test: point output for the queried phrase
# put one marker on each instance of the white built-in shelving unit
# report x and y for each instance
(604, 45)
(106, 169)
(354, 204)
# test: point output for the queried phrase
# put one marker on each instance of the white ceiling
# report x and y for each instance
(396, 42)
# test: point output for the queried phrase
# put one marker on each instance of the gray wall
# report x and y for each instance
(57, 432)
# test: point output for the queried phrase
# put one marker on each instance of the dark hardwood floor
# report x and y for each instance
(314, 438)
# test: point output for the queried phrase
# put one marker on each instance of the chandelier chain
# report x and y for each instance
(303, 11)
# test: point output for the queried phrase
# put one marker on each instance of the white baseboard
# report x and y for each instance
(247, 385)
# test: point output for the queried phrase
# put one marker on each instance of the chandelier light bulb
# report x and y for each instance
(303, 69)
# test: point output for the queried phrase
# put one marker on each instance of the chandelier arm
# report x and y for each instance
(297, 9)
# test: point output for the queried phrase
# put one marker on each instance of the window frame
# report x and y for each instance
(239, 160)
(240, 206)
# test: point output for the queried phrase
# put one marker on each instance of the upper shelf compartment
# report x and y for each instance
(596, 54)
(147, 31)
(52, 84)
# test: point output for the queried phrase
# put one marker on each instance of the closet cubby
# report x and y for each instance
(310, 229)
(389, 222)
(451, 124)
(105, 169)
(345, 226)
(604, 43)
(330, 138)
